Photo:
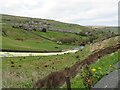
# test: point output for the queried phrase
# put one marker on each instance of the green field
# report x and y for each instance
(35, 68)
(18, 39)
(59, 36)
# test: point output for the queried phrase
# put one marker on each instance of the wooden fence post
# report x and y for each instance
(68, 82)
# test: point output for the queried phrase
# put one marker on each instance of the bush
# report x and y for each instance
(90, 76)
(77, 56)
(43, 29)
(67, 39)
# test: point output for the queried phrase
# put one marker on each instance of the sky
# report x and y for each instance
(82, 12)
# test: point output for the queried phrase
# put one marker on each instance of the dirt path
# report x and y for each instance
(20, 54)
(58, 78)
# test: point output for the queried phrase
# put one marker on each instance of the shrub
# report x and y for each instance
(90, 76)
(66, 39)
(43, 29)
(77, 56)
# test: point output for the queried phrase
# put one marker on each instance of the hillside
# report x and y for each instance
(52, 24)
(25, 33)
(32, 35)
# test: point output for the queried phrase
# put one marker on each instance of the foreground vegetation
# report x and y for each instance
(100, 68)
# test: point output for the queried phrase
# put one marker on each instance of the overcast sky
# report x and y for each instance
(83, 12)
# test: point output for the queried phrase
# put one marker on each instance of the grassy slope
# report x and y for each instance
(103, 63)
(57, 35)
(23, 40)
(33, 68)
(54, 24)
